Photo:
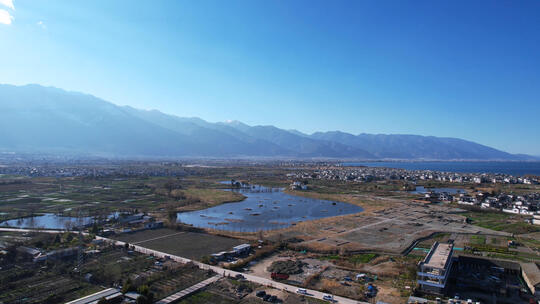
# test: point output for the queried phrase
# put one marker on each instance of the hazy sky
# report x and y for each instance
(468, 69)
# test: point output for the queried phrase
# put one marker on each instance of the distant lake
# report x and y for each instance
(265, 209)
(513, 168)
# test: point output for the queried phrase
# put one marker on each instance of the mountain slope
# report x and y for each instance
(43, 119)
(306, 146)
(47, 119)
(227, 140)
(415, 146)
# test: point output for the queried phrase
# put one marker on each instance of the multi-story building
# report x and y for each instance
(434, 270)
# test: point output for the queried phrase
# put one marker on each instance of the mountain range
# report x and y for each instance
(34, 118)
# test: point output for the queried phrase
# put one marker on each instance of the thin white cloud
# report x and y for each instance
(8, 3)
(5, 17)
(41, 25)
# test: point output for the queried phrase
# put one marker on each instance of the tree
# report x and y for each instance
(95, 229)
(143, 289)
(68, 237)
(146, 296)
(127, 286)
(206, 259)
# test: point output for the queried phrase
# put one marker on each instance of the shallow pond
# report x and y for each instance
(265, 209)
(48, 221)
(52, 221)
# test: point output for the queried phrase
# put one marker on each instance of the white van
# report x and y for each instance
(301, 291)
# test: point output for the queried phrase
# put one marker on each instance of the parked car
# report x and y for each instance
(301, 291)
(328, 297)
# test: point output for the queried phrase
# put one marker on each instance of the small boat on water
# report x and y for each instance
(248, 209)
(230, 212)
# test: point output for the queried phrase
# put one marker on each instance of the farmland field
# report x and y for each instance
(186, 244)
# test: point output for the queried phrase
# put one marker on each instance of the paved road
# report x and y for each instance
(230, 273)
(216, 269)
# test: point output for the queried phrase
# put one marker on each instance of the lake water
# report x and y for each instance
(48, 221)
(516, 168)
(422, 190)
(52, 221)
(265, 209)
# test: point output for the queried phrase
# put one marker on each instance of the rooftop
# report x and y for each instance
(532, 272)
(109, 293)
(438, 255)
(242, 246)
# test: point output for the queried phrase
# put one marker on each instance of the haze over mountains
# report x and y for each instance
(44, 119)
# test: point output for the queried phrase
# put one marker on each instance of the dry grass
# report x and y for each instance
(312, 279)
(214, 196)
(328, 285)
(369, 204)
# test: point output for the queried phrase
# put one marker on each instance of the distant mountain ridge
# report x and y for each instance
(43, 119)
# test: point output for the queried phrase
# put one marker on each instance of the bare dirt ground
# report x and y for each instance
(390, 230)
(389, 295)
(259, 269)
(312, 266)
(331, 276)
(382, 266)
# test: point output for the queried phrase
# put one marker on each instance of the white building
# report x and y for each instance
(242, 249)
(434, 270)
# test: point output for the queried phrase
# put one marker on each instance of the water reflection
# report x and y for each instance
(48, 221)
(265, 209)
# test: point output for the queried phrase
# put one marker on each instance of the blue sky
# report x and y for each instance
(467, 69)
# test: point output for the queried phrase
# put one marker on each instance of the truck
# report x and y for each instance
(279, 276)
